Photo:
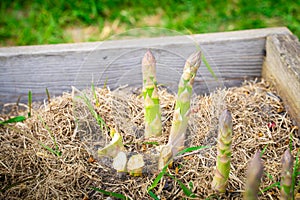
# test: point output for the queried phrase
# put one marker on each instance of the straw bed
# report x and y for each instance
(29, 171)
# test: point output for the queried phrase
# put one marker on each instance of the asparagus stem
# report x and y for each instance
(153, 125)
(182, 108)
(220, 179)
(255, 172)
(286, 176)
(114, 147)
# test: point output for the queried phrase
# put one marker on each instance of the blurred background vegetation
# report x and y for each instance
(25, 22)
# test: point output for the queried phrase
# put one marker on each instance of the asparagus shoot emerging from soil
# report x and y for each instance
(182, 109)
(220, 179)
(114, 147)
(255, 172)
(153, 124)
(135, 165)
(286, 176)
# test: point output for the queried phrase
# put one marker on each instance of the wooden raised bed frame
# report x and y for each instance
(271, 53)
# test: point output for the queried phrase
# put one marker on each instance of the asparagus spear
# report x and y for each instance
(255, 172)
(220, 179)
(182, 108)
(153, 124)
(286, 176)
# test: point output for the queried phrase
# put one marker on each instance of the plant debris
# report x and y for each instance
(29, 171)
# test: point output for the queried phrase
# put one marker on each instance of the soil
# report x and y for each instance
(66, 124)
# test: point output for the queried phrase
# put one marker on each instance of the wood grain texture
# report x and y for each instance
(282, 66)
(234, 57)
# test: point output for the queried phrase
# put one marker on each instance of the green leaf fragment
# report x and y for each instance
(190, 149)
(29, 103)
(13, 120)
(153, 195)
(112, 194)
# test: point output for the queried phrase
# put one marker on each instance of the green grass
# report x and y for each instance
(13, 120)
(55, 151)
(90, 106)
(163, 172)
(112, 194)
(24, 22)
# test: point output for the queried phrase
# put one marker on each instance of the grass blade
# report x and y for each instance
(264, 150)
(277, 184)
(163, 171)
(153, 195)
(95, 95)
(29, 103)
(295, 172)
(112, 194)
(13, 120)
(159, 177)
(185, 190)
(99, 120)
(56, 151)
(48, 95)
(209, 68)
(190, 149)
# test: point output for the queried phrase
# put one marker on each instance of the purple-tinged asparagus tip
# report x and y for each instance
(255, 172)
(148, 59)
(226, 120)
(287, 160)
(194, 59)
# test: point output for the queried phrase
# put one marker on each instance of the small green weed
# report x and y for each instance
(55, 151)
(13, 120)
(163, 172)
(88, 103)
(29, 103)
(111, 194)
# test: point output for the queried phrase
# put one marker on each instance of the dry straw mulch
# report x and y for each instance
(29, 171)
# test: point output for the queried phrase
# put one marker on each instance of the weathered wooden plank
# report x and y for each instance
(282, 66)
(234, 57)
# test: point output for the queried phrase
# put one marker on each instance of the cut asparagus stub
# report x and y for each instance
(220, 179)
(286, 176)
(182, 107)
(153, 125)
(135, 165)
(114, 147)
(165, 156)
(120, 162)
(255, 172)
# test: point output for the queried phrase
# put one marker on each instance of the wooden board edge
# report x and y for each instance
(282, 67)
(143, 42)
